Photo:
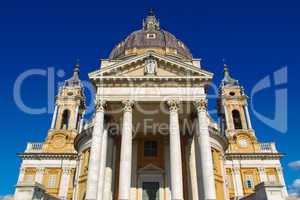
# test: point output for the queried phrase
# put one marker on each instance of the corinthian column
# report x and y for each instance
(206, 167)
(101, 173)
(108, 187)
(126, 152)
(175, 153)
(94, 164)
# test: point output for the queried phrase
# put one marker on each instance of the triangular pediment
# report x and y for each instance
(151, 168)
(165, 67)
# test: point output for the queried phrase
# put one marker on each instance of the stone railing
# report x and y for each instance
(267, 191)
(268, 148)
(30, 191)
(34, 148)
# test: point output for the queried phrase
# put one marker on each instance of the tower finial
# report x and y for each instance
(151, 12)
(76, 66)
(226, 70)
(76, 69)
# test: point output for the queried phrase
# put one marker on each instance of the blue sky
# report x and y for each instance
(255, 37)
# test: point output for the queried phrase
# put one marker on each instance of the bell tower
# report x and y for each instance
(233, 108)
(68, 114)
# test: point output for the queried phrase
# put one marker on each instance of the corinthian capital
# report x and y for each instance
(67, 170)
(201, 104)
(127, 105)
(40, 170)
(100, 105)
(173, 105)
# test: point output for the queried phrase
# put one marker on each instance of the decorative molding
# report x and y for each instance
(150, 67)
(253, 156)
(67, 170)
(48, 156)
(201, 104)
(100, 105)
(40, 170)
(127, 105)
(173, 105)
(100, 73)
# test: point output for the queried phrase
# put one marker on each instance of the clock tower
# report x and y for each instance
(235, 122)
(68, 114)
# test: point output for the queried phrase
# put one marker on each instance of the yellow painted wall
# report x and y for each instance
(231, 188)
(219, 181)
(30, 171)
(83, 174)
(252, 172)
(57, 172)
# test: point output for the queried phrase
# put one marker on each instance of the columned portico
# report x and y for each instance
(95, 155)
(157, 150)
(208, 180)
(175, 152)
(126, 152)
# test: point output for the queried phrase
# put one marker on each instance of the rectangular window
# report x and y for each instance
(249, 182)
(150, 148)
(151, 36)
(52, 181)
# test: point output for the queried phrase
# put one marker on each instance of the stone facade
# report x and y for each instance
(151, 136)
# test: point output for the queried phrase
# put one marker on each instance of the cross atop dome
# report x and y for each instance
(151, 23)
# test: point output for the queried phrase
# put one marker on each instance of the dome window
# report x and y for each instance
(151, 35)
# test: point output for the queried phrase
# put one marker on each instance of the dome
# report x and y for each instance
(151, 37)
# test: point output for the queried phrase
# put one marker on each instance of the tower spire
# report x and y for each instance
(227, 79)
(76, 70)
(74, 81)
(151, 12)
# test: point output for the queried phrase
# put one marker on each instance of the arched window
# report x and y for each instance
(65, 119)
(237, 119)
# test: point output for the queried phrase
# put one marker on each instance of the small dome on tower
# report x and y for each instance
(74, 81)
(228, 80)
(151, 37)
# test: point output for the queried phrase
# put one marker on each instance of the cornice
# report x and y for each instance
(253, 156)
(48, 156)
(98, 73)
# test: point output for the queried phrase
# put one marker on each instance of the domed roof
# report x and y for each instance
(151, 37)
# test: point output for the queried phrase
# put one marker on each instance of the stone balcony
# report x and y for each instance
(268, 148)
(34, 148)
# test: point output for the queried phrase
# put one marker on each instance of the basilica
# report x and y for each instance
(151, 136)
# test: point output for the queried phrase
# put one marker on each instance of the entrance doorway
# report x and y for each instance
(150, 191)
